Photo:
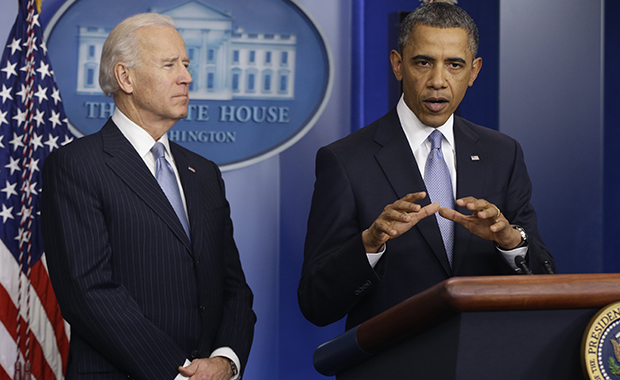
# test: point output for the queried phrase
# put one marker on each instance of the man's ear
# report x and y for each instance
(475, 69)
(397, 62)
(124, 77)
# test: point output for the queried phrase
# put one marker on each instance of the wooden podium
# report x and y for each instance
(472, 328)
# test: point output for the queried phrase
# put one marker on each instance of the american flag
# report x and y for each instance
(34, 341)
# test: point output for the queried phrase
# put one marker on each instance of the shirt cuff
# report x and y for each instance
(373, 258)
(228, 353)
(510, 255)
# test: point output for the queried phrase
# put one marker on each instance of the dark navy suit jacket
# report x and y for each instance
(140, 297)
(357, 176)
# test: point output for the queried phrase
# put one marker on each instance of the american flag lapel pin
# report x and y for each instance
(475, 158)
(191, 169)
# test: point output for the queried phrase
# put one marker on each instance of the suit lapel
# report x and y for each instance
(125, 162)
(472, 164)
(401, 169)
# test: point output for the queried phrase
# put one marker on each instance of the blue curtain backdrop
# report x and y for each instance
(548, 79)
(611, 243)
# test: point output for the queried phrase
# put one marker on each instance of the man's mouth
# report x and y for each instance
(436, 104)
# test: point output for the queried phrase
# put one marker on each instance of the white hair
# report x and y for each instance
(122, 46)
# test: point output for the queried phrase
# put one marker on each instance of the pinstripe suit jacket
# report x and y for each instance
(140, 297)
(359, 175)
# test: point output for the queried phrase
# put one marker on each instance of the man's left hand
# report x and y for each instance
(486, 221)
(217, 368)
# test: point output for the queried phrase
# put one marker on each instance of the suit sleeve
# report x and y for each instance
(336, 273)
(519, 210)
(99, 309)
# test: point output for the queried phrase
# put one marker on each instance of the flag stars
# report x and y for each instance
(55, 118)
(44, 70)
(41, 93)
(28, 67)
(35, 20)
(56, 96)
(6, 213)
(25, 213)
(23, 236)
(3, 121)
(31, 44)
(6, 93)
(36, 141)
(20, 117)
(9, 189)
(29, 188)
(13, 165)
(17, 141)
(14, 46)
(9, 69)
(51, 142)
(38, 117)
(33, 165)
(23, 93)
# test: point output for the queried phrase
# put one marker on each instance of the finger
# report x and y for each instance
(480, 207)
(412, 197)
(189, 370)
(477, 205)
(498, 226)
(463, 202)
(396, 215)
(407, 203)
(384, 226)
(451, 214)
(404, 206)
(490, 211)
(428, 210)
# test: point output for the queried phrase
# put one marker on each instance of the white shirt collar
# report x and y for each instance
(138, 136)
(417, 132)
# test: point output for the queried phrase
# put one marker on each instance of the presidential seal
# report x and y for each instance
(600, 347)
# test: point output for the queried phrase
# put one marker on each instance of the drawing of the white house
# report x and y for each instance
(225, 64)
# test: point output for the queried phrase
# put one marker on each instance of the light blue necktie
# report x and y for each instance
(439, 186)
(168, 183)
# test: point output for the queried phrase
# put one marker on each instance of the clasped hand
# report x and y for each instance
(216, 368)
(486, 221)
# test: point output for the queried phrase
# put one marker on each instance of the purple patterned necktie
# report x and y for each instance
(439, 187)
(168, 183)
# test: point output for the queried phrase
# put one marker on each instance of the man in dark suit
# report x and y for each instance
(374, 237)
(147, 280)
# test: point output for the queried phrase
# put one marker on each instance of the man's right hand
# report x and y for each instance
(396, 219)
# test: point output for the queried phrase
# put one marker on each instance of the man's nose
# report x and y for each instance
(185, 76)
(438, 78)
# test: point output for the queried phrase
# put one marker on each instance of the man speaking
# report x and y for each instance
(419, 195)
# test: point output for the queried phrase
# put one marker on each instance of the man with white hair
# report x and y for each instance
(137, 229)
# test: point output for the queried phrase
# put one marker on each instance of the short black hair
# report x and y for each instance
(439, 15)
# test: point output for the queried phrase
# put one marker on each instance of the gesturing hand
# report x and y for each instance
(396, 219)
(486, 221)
